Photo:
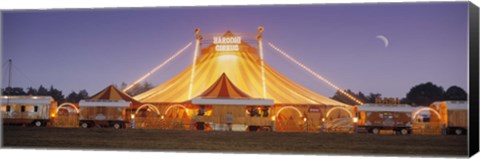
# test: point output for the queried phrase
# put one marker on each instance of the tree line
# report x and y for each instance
(136, 89)
(56, 94)
(73, 97)
(422, 94)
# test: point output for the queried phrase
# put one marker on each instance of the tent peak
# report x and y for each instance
(224, 88)
(229, 34)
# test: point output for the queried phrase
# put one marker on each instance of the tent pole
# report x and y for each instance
(260, 48)
(194, 62)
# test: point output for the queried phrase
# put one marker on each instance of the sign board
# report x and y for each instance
(379, 100)
(314, 109)
(227, 43)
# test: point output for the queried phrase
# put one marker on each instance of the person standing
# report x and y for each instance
(229, 120)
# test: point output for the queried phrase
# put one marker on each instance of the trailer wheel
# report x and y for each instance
(84, 125)
(38, 123)
(117, 126)
(375, 131)
(458, 131)
(404, 131)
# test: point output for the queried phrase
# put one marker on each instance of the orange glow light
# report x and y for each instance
(355, 119)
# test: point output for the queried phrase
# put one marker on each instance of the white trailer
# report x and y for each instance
(27, 110)
(454, 114)
(103, 113)
(394, 117)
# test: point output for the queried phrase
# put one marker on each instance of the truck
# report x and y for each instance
(373, 118)
(103, 113)
(27, 110)
(454, 115)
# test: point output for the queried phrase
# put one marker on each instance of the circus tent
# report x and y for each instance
(243, 68)
(111, 93)
(223, 91)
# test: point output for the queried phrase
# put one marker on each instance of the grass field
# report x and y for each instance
(261, 142)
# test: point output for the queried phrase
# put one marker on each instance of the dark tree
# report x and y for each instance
(42, 91)
(32, 91)
(13, 91)
(362, 97)
(75, 97)
(72, 97)
(424, 94)
(455, 93)
(139, 88)
(404, 101)
(344, 99)
(372, 96)
(56, 94)
(82, 94)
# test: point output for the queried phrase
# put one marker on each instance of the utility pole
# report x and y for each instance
(9, 83)
(9, 72)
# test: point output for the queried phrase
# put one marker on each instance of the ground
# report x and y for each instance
(249, 142)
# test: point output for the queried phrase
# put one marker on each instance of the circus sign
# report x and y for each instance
(314, 109)
(227, 43)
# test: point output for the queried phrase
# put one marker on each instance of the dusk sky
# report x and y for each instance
(93, 48)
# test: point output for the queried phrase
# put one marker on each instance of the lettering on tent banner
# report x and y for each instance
(227, 43)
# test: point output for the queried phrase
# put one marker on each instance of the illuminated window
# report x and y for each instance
(22, 109)
(258, 111)
(35, 108)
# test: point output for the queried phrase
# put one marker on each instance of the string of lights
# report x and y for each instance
(314, 73)
(158, 67)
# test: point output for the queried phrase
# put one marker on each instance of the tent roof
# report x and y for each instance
(223, 88)
(243, 68)
(112, 93)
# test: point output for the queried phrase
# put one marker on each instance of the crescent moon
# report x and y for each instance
(384, 39)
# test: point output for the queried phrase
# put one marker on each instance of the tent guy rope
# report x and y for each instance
(158, 67)
(314, 73)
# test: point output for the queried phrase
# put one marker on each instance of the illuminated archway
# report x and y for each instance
(65, 105)
(339, 108)
(69, 120)
(424, 109)
(149, 106)
(176, 105)
(288, 122)
(289, 107)
(177, 119)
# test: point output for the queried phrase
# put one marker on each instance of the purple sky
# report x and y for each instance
(92, 48)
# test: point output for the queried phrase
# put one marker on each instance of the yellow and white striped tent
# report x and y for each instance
(243, 68)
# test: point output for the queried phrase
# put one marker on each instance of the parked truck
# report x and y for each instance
(454, 115)
(103, 113)
(27, 110)
(393, 117)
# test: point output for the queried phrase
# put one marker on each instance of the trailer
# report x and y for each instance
(27, 110)
(373, 118)
(233, 114)
(454, 116)
(103, 113)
